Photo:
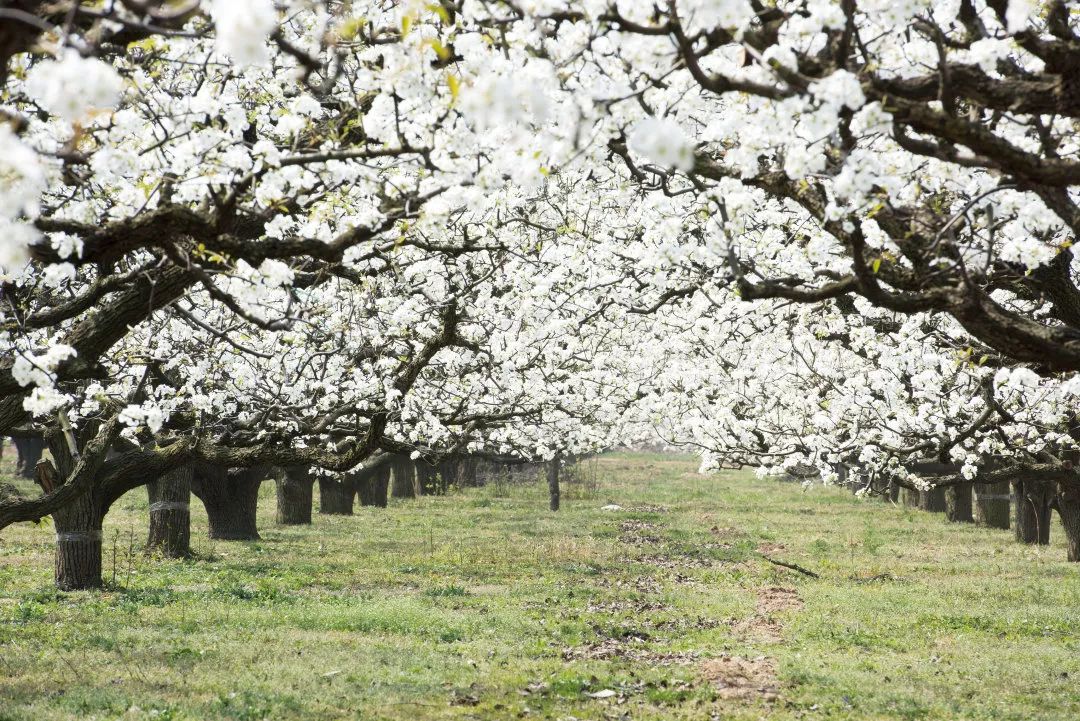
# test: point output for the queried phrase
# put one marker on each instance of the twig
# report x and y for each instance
(792, 566)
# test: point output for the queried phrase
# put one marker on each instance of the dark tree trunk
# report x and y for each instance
(365, 491)
(170, 513)
(891, 493)
(78, 525)
(294, 495)
(427, 478)
(1068, 505)
(373, 488)
(231, 499)
(448, 474)
(910, 497)
(844, 478)
(381, 486)
(1032, 512)
(403, 484)
(553, 483)
(958, 503)
(992, 504)
(468, 472)
(78, 544)
(336, 497)
(30, 449)
(932, 500)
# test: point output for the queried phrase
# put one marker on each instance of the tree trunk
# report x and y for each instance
(170, 513)
(958, 503)
(890, 493)
(1032, 512)
(29, 449)
(844, 478)
(403, 484)
(336, 497)
(294, 495)
(992, 504)
(78, 544)
(932, 500)
(910, 497)
(77, 524)
(231, 499)
(372, 488)
(468, 472)
(553, 483)
(427, 479)
(448, 474)
(1068, 505)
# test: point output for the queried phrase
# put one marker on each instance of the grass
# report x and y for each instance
(482, 604)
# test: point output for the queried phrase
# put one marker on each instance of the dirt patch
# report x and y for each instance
(638, 533)
(628, 643)
(727, 532)
(770, 547)
(641, 584)
(672, 563)
(699, 623)
(647, 508)
(777, 598)
(763, 625)
(614, 648)
(742, 679)
(627, 606)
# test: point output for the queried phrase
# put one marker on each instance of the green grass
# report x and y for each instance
(483, 604)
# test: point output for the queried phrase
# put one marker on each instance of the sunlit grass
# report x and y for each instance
(483, 604)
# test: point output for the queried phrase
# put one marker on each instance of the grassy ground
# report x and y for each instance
(483, 605)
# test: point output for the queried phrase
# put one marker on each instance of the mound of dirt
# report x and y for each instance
(742, 679)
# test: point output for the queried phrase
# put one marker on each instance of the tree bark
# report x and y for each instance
(78, 544)
(29, 449)
(427, 478)
(170, 513)
(77, 524)
(958, 503)
(910, 497)
(403, 484)
(1068, 505)
(468, 472)
(336, 496)
(1032, 512)
(992, 505)
(294, 495)
(372, 488)
(932, 500)
(231, 499)
(890, 493)
(553, 483)
(449, 471)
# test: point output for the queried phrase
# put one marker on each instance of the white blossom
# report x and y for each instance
(73, 86)
(243, 28)
(662, 141)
